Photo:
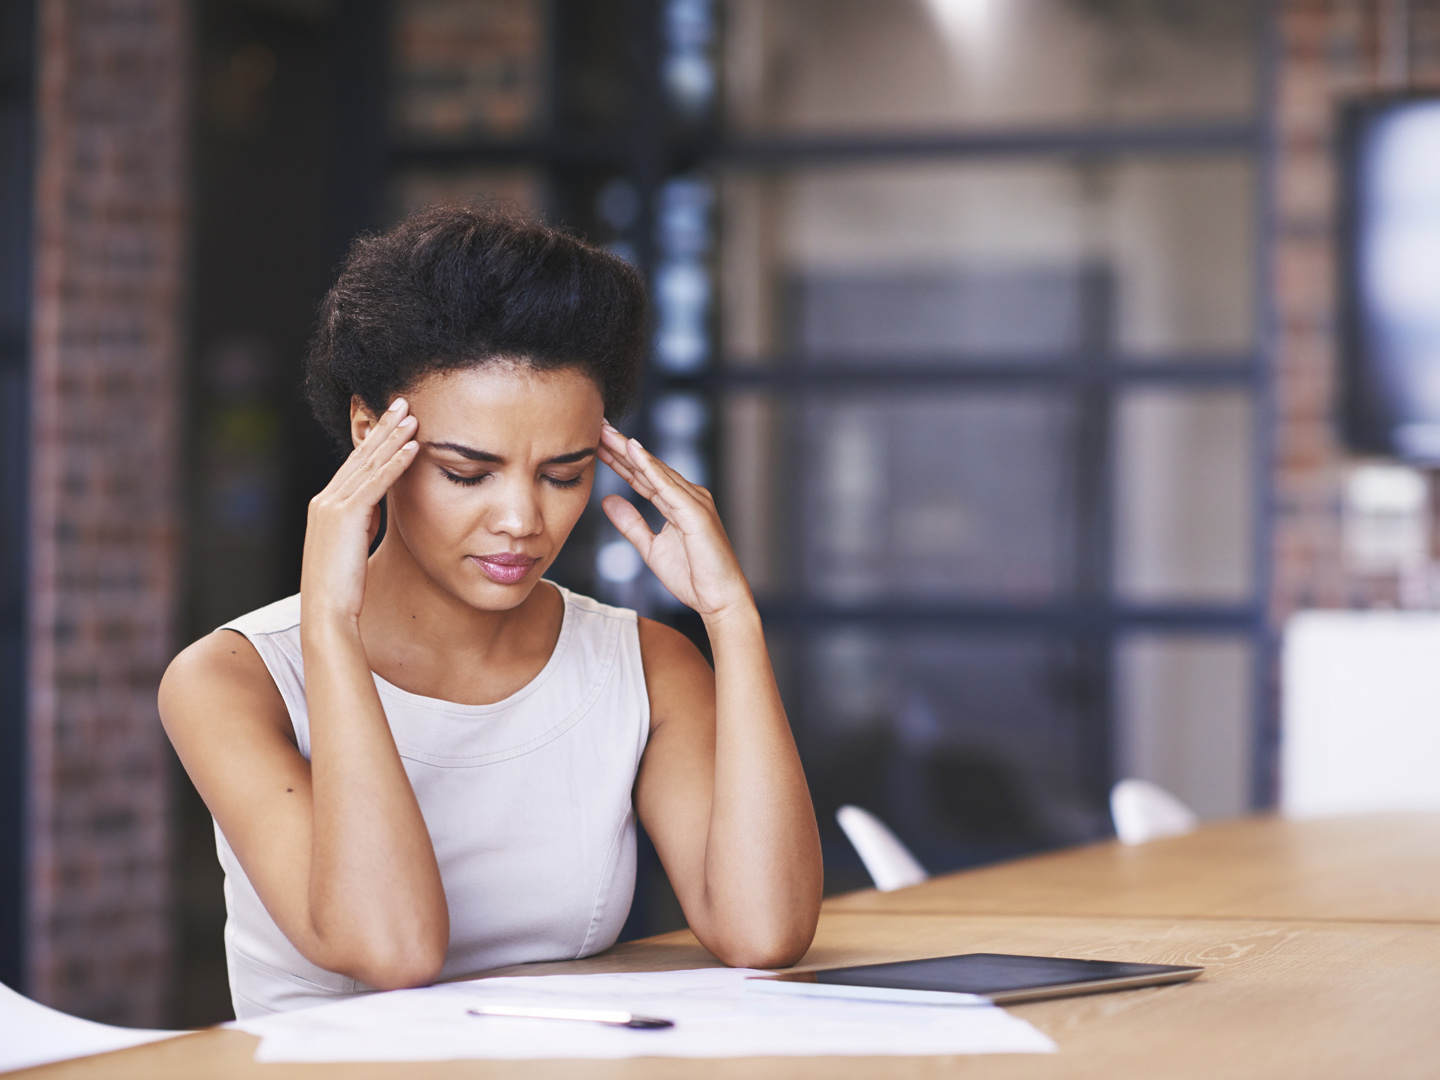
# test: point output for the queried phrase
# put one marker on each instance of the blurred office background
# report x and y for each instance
(1005, 331)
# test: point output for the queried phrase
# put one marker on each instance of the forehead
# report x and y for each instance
(508, 406)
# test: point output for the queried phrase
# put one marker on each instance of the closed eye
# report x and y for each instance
(471, 481)
(464, 481)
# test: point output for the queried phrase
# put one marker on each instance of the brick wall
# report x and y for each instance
(1329, 50)
(109, 245)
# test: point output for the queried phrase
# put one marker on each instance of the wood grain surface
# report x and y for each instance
(1321, 943)
(1301, 999)
(1367, 869)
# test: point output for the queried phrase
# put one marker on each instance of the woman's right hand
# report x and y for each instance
(345, 517)
(332, 840)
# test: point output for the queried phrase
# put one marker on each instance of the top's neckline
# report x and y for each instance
(456, 708)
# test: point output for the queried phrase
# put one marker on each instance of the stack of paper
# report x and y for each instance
(714, 1016)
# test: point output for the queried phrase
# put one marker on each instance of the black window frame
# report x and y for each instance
(17, 97)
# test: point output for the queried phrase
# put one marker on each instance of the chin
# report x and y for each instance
(487, 595)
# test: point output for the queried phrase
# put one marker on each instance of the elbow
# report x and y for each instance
(391, 947)
(764, 956)
(399, 967)
(762, 959)
(778, 948)
(757, 935)
(405, 957)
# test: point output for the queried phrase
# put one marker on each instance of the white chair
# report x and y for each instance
(888, 861)
(1143, 811)
(1360, 713)
(33, 1034)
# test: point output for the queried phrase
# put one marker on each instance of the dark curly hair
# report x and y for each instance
(460, 286)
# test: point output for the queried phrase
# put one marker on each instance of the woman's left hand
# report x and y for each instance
(691, 555)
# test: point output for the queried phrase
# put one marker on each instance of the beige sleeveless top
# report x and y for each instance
(528, 803)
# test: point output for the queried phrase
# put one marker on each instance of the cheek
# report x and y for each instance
(563, 508)
(427, 498)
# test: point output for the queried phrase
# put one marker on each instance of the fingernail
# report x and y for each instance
(637, 443)
(408, 421)
(411, 445)
(397, 404)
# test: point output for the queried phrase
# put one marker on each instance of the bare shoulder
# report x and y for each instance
(219, 674)
(677, 678)
(670, 655)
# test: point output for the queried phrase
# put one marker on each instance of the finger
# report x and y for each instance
(644, 486)
(611, 437)
(614, 443)
(626, 472)
(670, 487)
(639, 484)
(615, 452)
(655, 469)
(615, 459)
(625, 517)
(396, 444)
(379, 481)
(379, 454)
(386, 423)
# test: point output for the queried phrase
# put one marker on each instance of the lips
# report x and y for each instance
(505, 568)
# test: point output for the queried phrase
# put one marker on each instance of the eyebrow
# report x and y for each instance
(485, 455)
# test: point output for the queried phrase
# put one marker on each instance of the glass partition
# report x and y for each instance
(970, 745)
(1185, 717)
(837, 65)
(938, 496)
(1185, 499)
(991, 261)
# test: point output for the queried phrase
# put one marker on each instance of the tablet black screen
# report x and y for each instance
(985, 973)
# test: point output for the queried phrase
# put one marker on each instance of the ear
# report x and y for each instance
(361, 420)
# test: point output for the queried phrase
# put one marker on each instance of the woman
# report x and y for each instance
(428, 763)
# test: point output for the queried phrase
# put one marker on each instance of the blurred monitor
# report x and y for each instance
(1390, 276)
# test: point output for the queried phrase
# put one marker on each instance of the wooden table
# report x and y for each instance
(1327, 967)
(1379, 868)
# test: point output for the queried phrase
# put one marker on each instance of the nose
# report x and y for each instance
(517, 511)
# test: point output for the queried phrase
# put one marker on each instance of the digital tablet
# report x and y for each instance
(995, 977)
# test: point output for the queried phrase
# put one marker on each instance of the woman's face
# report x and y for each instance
(505, 467)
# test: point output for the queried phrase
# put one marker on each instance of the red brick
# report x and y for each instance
(1328, 52)
(109, 250)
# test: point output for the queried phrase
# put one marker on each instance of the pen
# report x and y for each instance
(594, 1016)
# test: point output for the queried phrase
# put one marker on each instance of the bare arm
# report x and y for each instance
(336, 847)
(721, 791)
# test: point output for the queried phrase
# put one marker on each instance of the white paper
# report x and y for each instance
(714, 1016)
(863, 993)
(32, 1034)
